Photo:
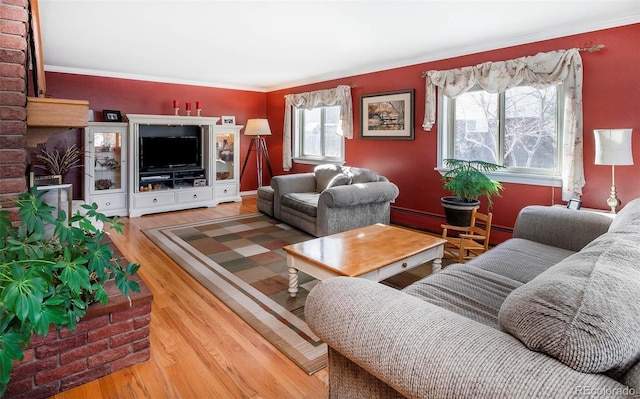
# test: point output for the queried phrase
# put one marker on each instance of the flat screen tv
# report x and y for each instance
(170, 152)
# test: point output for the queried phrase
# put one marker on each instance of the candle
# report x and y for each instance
(188, 107)
(197, 104)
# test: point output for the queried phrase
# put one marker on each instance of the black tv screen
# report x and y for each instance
(169, 152)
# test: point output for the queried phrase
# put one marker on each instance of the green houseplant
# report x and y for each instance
(467, 181)
(51, 279)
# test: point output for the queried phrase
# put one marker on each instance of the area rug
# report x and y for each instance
(240, 260)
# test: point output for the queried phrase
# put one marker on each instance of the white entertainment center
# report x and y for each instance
(181, 162)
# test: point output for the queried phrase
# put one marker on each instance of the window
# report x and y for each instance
(317, 138)
(519, 128)
(328, 148)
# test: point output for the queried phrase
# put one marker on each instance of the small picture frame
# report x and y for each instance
(574, 204)
(387, 115)
(228, 120)
(111, 115)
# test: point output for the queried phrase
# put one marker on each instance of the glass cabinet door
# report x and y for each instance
(107, 167)
(225, 156)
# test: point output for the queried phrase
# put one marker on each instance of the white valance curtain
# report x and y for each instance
(341, 95)
(540, 70)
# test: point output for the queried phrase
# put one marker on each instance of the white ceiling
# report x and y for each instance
(267, 45)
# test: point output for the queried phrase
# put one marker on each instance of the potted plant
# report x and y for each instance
(58, 161)
(51, 279)
(466, 179)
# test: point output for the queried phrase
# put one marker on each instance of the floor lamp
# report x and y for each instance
(613, 147)
(258, 128)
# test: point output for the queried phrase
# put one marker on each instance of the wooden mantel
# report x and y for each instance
(55, 112)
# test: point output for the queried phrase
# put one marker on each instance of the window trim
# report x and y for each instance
(513, 175)
(298, 142)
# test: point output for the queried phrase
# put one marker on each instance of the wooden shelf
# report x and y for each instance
(55, 112)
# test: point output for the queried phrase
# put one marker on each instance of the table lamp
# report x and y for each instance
(613, 147)
(258, 128)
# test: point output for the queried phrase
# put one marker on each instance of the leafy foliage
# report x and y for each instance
(51, 278)
(467, 181)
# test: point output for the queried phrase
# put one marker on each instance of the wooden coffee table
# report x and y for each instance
(373, 252)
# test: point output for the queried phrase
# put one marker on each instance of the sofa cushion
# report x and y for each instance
(341, 179)
(468, 291)
(361, 175)
(324, 175)
(585, 310)
(520, 259)
(629, 215)
(306, 203)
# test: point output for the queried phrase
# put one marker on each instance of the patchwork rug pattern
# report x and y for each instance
(240, 260)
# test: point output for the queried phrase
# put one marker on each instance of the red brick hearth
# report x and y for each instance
(108, 339)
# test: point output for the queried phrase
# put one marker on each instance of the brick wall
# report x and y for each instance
(110, 338)
(13, 95)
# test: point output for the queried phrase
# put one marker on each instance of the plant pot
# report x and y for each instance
(58, 199)
(458, 212)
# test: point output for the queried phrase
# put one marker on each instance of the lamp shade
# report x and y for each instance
(257, 127)
(613, 147)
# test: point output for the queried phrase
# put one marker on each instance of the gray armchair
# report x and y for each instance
(332, 199)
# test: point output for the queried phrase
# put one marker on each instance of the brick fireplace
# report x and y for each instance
(110, 337)
(13, 96)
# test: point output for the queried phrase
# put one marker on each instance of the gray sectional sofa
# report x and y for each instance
(553, 312)
(330, 200)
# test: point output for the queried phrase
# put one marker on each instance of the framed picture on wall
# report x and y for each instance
(387, 115)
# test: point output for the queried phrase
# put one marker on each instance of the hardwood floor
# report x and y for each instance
(199, 347)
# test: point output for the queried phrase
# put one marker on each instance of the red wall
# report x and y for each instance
(141, 97)
(611, 99)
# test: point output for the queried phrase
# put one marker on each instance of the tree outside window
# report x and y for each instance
(518, 128)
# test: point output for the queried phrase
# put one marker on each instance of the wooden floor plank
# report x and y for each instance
(199, 347)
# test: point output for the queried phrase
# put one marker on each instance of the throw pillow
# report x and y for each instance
(362, 175)
(585, 310)
(324, 175)
(340, 179)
